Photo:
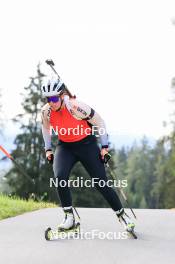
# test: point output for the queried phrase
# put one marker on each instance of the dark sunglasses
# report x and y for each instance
(53, 99)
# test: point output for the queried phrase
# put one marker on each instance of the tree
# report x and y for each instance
(158, 189)
(29, 151)
(164, 186)
(168, 183)
(140, 175)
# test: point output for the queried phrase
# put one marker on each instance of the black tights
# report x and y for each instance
(88, 153)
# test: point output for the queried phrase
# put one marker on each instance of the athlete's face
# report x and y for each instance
(54, 102)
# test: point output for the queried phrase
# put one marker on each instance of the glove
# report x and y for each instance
(105, 156)
(49, 156)
(104, 151)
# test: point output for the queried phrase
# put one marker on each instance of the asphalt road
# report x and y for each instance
(22, 239)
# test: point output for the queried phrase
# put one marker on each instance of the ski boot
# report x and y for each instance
(69, 220)
(127, 223)
(68, 226)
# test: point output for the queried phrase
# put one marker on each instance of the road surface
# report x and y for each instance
(22, 238)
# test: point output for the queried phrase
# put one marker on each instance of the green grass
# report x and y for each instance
(12, 206)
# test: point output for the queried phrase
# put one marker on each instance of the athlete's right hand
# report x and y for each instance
(49, 156)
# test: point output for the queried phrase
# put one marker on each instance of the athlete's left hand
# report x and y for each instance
(103, 152)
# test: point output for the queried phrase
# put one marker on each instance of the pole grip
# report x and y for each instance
(107, 157)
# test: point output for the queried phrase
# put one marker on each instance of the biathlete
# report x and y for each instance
(63, 112)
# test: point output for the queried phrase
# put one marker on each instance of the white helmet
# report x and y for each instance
(52, 87)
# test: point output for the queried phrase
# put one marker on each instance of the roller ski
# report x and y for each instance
(68, 228)
(128, 225)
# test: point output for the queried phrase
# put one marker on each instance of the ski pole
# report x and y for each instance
(17, 165)
(77, 212)
(106, 159)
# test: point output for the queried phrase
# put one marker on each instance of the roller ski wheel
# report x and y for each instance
(51, 234)
(47, 233)
(132, 234)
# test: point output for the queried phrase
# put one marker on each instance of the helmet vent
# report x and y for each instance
(55, 86)
(60, 88)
